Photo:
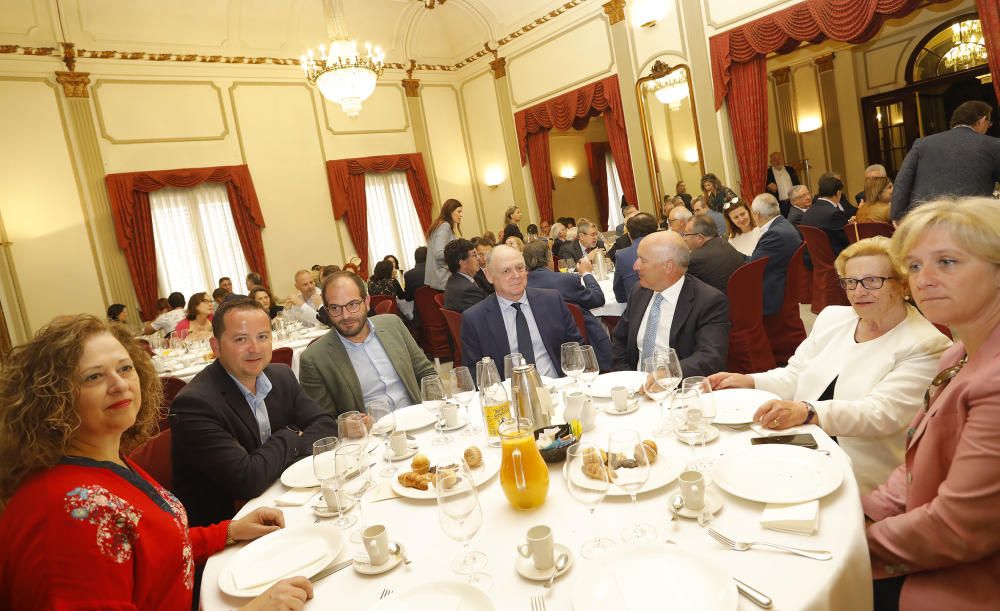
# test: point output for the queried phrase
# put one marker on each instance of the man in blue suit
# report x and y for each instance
(581, 290)
(638, 227)
(778, 241)
(533, 322)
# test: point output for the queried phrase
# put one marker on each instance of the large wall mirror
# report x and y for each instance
(670, 130)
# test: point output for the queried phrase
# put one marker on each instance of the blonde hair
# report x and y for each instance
(874, 188)
(508, 214)
(38, 392)
(518, 242)
(973, 222)
(869, 247)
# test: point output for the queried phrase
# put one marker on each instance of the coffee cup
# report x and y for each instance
(692, 485)
(397, 443)
(376, 541)
(539, 547)
(449, 413)
(619, 397)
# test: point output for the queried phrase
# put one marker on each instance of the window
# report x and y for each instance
(196, 240)
(615, 191)
(953, 46)
(393, 226)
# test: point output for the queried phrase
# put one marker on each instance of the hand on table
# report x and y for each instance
(724, 379)
(585, 265)
(256, 524)
(777, 414)
(287, 595)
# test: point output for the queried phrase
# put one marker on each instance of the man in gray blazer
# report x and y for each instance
(713, 259)
(961, 161)
(361, 359)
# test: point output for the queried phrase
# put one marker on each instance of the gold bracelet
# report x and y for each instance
(229, 533)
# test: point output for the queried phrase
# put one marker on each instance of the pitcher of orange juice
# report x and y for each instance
(523, 474)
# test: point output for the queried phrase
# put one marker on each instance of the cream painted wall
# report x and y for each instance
(571, 197)
(481, 116)
(451, 163)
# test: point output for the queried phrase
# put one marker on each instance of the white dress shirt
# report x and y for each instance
(670, 296)
(543, 364)
(783, 180)
(306, 313)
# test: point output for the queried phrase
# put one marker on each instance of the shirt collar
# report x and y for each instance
(505, 303)
(767, 225)
(263, 386)
(371, 335)
(673, 292)
(467, 277)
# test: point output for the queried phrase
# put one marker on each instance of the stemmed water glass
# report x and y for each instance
(433, 397)
(463, 391)
(325, 468)
(630, 477)
(588, 491)
(354, 477)
(590, 367)
(461, 517)
(708, 411)
(662, 373)
(690, 423)
(352, 427)
(383, 426)
(572, 364)
(512, 360)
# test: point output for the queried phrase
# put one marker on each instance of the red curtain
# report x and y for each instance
(346, 178)
(541, 173)
(599, 177)
(129, 195)
(574, 110)
(748, 90)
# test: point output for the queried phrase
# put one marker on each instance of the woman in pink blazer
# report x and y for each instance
(934, 536)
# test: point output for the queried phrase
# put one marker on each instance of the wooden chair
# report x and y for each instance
(785, 329)
(578, 319)
(155, 457)
(282, 355)
(859, 231)
(749, 347)
(434, 338)
(454, 321)
(825, 283)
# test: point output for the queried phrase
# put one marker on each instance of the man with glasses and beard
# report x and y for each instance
(361, 358)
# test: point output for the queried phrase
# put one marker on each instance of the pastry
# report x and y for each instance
(411, 479)
(445, 479)
(473, 457)
(420, 464)
(649, 447)
(592, 456)
(599, 472)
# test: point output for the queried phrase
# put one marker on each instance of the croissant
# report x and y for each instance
(420, 464)
(411, 479)
(473, 457)
(599, 472)
(592, 456)
(649, 447)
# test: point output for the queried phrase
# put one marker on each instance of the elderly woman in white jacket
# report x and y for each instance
(862, 372)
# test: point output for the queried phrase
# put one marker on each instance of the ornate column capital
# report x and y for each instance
(824, 62)
(412, 86)
(74, 83)
(499, 67)
(615, 10)
(782, 76)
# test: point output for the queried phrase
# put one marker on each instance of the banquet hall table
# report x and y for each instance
(791, 581)
(611, 306)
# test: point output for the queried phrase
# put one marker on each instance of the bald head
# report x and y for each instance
(506, 270)
(662, 260)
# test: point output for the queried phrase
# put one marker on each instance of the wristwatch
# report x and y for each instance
(810, 412)
(294, 429)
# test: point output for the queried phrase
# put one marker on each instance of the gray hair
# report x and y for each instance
(555, 229)
(704, 225)
(797, 191)
(876, 169)
(583, 226)
(537, 254)
(766, 206)
(683, 214)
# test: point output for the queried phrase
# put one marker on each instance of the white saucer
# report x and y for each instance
(631, 408)
(526, 568)
(411, 450)
(461, 423)
(713, 503)
(366, 568)
(713, 434)
(320, 508)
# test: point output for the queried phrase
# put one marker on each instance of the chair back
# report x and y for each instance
(454, 321)
(156, 458)
(171, 386)
(785, 329)
(749, 347)
(387, 307)
(376, 300)
(439, 300)
(859, 231)
(282, 355)
(578, 319)
(433, 328)
(801, 275)
(825, 283)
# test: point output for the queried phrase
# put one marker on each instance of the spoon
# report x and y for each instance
(676, 504)
(396, 548)
(561, 562)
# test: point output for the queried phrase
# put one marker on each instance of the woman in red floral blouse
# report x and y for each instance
(80, 525)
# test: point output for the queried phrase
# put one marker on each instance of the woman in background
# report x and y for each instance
(511, 218)
(444, 229)
(715, 193)
(743, 234)
(874, 207)
(197, 322)
(515, 242)
(381, 281)
(263, 296)
(117, 313)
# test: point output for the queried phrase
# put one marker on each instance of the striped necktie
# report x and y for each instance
(652, 323)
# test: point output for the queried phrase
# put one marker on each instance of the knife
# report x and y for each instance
(755, 596)
(330, 570)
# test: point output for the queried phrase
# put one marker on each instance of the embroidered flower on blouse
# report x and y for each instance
(116, 520)
(180, 519)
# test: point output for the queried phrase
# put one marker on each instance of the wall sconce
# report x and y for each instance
(494, 176)
(646, 13)
(691, 154)
(567, 172)
(809, 124)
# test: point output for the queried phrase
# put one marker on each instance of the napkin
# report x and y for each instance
(800, 518)
(385, 491)
(763, 432)
(271, 565)
(296, 497)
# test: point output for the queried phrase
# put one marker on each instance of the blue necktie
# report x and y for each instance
(523, 334)
(652, 323)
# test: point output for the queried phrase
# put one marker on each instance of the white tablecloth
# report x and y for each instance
(793, 582)
(611, 306)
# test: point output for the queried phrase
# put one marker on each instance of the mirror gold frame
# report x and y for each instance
(658, 71)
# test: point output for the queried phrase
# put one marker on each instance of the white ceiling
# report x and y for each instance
(272, 28)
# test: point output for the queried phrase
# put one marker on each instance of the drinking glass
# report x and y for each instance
(663, 372)
(590, 367)
(621, 451)
(512, 360)
(572, 364)
(383, 425)
(352, 427)
(589, 492)
(432, 396)
(708, 412)
(354, 478)
(689, 421)
(325, 468)
(463, 391)
(461, 517)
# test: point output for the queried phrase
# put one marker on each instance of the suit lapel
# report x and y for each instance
(397, 356)
(235, 400)
(640, 299)
(685, 302)
(338, 354)
(495, 320)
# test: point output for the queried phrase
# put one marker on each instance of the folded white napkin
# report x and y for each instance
(763, 432)
(802, 518)
(384, 491)
(271, 565)
(296, 497)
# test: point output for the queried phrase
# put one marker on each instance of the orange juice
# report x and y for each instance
(524, 476)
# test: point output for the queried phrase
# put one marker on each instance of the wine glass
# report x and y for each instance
(384, 425)
(572, 364)
(631, 474)
(708, 412)
(325, 468)
(461, 517)
(689, 422)
(652, 369)
(463, 391)
(512, 360)
(590, 367)
(354, 478)
(352, 427)
(432, 396)
(588, 491)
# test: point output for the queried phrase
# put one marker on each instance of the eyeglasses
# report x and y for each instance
(691, 235)
(350, 306)
(869, 282)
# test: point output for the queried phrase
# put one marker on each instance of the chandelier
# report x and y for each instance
(343, 75)
(671, 90)
(430, 4)
(969, 47)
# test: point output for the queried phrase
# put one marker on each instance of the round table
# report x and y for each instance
(791, 581)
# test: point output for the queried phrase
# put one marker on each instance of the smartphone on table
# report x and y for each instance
(805, 440)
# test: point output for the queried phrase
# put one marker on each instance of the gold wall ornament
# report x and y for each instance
(499, 67)
(69, 55)
(824, 63)
(782, 76)
(412, 87)
(615, 10)
(74, 83)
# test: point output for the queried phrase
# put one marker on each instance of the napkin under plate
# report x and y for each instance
(296, 497)
(800, 518)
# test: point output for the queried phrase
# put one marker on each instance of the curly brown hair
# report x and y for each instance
(38, 390)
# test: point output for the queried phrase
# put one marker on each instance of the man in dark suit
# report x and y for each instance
(961, 161)
(241, 421)
(483, 248)
(624, 240)
(461, 291)
(533, 322)
(639, 226)
(585, 244)
(713, 259)
(826, 212)
(800, 201)
(778, 242)
(581, 290)
(780, 180)
(670, 309)
(414, 278)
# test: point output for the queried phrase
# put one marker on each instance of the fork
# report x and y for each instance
(742, 546)
(537, 603)
(385, 593)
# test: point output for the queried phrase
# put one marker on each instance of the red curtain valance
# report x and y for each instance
(574, 110)
(346, 178)
(129, 195)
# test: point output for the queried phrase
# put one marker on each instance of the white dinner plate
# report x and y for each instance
(778, 474)
(274, 557)
(672, 576)
(602, 386)
(661, 473)
(480, 475)
(737, 405)
(450, 595)
(414, 417)
(301, 474)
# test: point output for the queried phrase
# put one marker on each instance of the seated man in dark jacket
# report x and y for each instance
(713, 259)
(461, 291)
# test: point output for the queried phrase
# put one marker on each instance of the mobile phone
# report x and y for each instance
(805, 440)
